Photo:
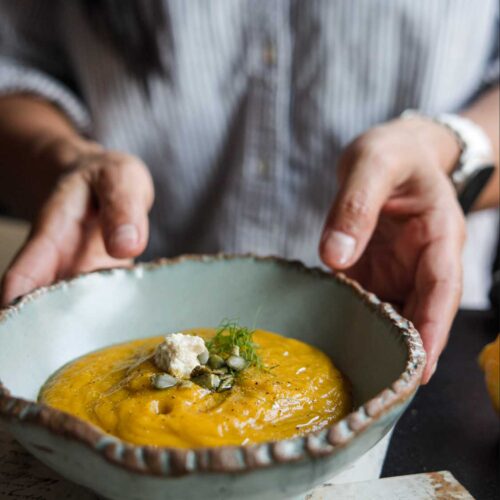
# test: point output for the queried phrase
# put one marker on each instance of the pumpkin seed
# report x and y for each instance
(215, 361)
(236, 363)
(208, 381)
(221, 371)
(226, 383)
(200, 370)
(203, 357)
(163, 381)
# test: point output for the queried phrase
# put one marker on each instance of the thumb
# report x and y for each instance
(124, 191)
(354, 214)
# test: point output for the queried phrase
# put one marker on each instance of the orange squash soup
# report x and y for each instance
(294, 389)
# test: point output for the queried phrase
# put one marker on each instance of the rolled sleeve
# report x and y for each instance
(17, 78)
(492, 71)
(33, 61)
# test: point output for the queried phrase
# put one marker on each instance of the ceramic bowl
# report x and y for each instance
(379, 351)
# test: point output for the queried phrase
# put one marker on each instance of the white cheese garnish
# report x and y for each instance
(178, 354)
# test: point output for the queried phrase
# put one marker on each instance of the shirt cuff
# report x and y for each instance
(16, 78)
(492, 74)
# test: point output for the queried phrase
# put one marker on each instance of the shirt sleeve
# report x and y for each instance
(32, 59)
(492, 70)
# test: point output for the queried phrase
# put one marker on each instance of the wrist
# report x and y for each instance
(473, 168)
(446, 148)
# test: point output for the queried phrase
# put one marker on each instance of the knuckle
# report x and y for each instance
(120, 165)
(128, 171)
(374, 148)
(419, 230)
(118, 160)
(381, 155)
(112, 201)
(354, 212)
(454, 278)
(457, 286)
(454, 286)
(108, 163)
(355, 205)
(116, 178)
(454, 223)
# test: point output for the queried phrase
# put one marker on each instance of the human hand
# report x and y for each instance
(96, 217)
(396, 226)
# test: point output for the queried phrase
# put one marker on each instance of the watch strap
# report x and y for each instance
(474, 186)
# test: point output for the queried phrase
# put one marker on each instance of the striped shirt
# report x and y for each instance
(243, 132)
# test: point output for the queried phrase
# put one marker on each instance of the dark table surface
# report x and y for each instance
(451, 424)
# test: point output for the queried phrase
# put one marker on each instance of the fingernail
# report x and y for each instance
(124, 236)
(340, 247)
(433, 370)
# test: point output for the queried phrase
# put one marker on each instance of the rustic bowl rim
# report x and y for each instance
(171, 462)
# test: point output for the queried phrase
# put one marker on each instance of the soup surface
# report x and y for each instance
(298, 391)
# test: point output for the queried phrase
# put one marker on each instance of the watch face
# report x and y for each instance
(472, 187)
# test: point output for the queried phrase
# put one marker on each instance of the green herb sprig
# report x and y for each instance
(230, 335)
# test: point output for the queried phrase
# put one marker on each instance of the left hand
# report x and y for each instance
(396, 226)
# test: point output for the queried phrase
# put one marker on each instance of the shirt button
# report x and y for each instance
(262, 168)
(269, 54)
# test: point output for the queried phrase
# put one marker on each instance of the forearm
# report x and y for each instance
(37, 144)
(485, 112)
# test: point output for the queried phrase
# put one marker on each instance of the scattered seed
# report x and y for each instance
(221, 371)
(236, 363)
(203, 357)
(226, 383)
(200, 370)
(208, 381)
(163, 381)
(215, 361)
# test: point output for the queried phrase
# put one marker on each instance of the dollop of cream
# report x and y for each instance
(178, 354)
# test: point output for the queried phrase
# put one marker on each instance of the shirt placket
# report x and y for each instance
(267, 128)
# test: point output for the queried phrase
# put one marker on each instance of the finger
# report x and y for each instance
(54, 236)
(353, 217)
(91, 254)
(436, 297)
(125, 194)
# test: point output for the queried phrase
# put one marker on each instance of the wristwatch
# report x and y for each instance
(474, 166)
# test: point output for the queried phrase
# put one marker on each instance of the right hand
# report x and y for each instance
(96, 217)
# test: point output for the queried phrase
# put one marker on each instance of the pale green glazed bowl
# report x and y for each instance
(379, 351)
